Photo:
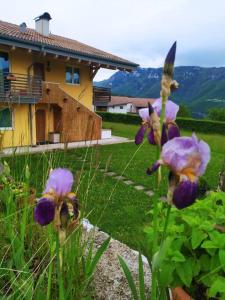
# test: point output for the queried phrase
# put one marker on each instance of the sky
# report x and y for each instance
(138, 30)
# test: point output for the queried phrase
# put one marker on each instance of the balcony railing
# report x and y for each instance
(20, 88)
(101, 95)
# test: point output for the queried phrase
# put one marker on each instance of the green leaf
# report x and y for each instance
(197, 237)
(184, 271)
(208, 245)
(129, 277)
(166, 274)
(97, 256)
(218, 286)
(178, 257)
(222, 258)
(141, 278)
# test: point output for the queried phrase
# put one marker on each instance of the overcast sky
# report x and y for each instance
(139, 30)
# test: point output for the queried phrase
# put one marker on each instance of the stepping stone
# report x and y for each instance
(139, 187)
(120, 177)
(110, 174)
(163, 198)
(149, 193)
(128, 182)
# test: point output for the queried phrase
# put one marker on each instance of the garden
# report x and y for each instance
(175, 218)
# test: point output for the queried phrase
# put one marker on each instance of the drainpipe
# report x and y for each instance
(30, 125)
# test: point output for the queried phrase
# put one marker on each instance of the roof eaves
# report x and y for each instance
(37, 46)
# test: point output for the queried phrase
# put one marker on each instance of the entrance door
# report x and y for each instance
(39, 70)
(57, 112)
(40, 126)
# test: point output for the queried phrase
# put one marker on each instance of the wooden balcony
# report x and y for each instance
(101, 96)
(20, 88)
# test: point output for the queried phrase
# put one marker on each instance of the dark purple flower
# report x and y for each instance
(170, 58)
(186, 156)
(151, 138)
(164, 137)
(64, 215)
(153, 168)
(140, 135)
(60, 181)
(173, 131)
(44, 211)
(185, 194)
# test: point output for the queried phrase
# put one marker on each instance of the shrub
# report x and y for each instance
(205, 126)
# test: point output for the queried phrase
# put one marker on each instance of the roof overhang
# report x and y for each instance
(98, 61)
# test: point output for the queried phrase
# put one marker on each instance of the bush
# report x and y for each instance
(205, 126)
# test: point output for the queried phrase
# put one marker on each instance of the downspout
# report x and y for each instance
(30, 124)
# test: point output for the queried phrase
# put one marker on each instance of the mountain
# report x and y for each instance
(199, 88)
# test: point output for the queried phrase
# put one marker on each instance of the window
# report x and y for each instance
(4, 70)
(5, 118)
(72, 75)
(121, 107)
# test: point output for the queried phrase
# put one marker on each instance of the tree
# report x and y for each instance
(184, 111)
(217, 114)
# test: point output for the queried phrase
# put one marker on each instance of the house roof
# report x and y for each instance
(10, 34)
(138, 102)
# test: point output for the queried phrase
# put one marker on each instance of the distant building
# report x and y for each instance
(124, 105)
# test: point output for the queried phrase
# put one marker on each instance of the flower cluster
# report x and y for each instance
(151, 115)
(58, 203)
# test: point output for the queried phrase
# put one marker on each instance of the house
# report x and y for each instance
(122, 104)
(46, 85)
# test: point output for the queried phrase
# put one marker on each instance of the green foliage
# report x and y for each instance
(217, 114)
(205, 126)
(184, 111)
(196, 253)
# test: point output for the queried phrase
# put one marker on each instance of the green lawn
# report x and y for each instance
(115, 207)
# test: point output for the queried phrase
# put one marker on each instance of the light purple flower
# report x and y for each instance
(144, 114)
(186, 156)
(60, 181)
(171, 109)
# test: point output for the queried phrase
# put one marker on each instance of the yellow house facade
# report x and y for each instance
(46, 85)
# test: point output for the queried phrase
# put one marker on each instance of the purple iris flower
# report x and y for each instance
(187, 158)
(60, 182)
(44, 211)
(57, 196)
(170, 129)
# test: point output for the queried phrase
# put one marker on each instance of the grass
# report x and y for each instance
(115, 207)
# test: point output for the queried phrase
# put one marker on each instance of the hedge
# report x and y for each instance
(205, 126)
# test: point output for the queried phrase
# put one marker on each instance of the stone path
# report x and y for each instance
(51, 147)
(127, 181)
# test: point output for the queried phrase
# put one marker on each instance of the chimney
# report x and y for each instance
(42, 23)
(23, 27)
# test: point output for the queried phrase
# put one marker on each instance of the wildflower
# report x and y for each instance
(187, 158)
(58, 203)
(170, 128)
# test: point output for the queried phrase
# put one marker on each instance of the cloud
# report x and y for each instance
(138, 30)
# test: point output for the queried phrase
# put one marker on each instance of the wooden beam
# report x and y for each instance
(29, 51)
(68, 58)
(13, 48)
(56, 56)
(93, 72)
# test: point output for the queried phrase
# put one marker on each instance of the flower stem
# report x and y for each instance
(59, 268)
(52, 250)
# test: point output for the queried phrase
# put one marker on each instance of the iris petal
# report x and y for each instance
(164, 137)
(60, 180)
(151, 138)
(153, 168)
(173, 131)
(44, 211)
(185, 194)
(140, 135)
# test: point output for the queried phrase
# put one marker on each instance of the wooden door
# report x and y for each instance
(39, 70)
(40, 126)
(57, 112)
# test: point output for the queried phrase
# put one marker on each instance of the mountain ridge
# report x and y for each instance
(200, 88)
